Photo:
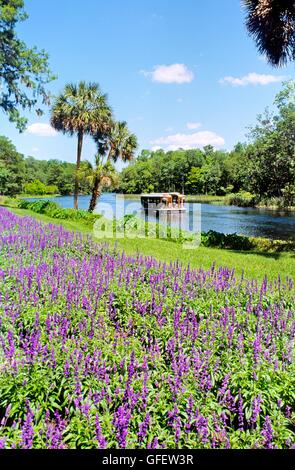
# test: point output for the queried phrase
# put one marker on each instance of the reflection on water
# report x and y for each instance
(225, 219)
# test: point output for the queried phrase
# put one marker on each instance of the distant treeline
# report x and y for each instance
(261, 171)
(193, 171)
(19, 174)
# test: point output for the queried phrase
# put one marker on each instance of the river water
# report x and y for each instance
(226, 219)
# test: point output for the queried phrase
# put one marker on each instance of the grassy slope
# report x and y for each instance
(255, 265)
(34, 196)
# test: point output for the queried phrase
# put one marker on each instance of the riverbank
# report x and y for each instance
(251, 223)
(38, 196)
(224, 201)
(131, 225)
(252, 264)
(197, 198)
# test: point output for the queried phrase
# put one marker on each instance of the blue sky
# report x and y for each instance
(181, 73)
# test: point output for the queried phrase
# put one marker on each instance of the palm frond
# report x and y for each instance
(122, 144)
(81, 108)
(272, 25)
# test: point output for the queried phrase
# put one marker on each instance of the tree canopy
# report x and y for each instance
(272, 25)
(12, 168)
(24, 71)
(117, 143)
(271, 156)
(81, 109)
(19, 174)
(191, 171)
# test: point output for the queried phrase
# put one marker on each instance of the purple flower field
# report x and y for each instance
(103, 350)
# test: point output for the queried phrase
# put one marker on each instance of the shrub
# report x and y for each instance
(242, 199)
(233, 241)
(229, 241)
(283, 202)
(51, 209)
(289, 195)
(39, 189)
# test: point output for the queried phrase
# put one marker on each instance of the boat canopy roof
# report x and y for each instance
(154, 195)
(162, 194)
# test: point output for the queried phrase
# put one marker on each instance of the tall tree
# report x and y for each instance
(271, 157)
(272, 24)
(81, 109)
(24, 71)
(12, 168)
(119, 143)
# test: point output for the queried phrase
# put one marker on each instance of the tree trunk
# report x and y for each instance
(109, 155)
(79, 154)
(96, 193)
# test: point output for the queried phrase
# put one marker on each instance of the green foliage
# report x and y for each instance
(241, 199)
(289, 195)
(51, 209)
(233, 241)
(117, 143)
(271, 157)
(193, 171)
(24, 72)
(61, 174)
(12, 168)
(38, 188)
(7, 201)
(81, 110)
(133, 227)
(195, 181)
(221, 240)
(52, 189)
(265, 168)
(17, 172)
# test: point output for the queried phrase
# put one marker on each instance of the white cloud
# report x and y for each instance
(193, 125)
(41, 129)
(174, 73)
(188, 141)
(35, 149)
(252, 79)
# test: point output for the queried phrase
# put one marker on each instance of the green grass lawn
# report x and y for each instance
(205, 199)
(33, 196)
(254, 265)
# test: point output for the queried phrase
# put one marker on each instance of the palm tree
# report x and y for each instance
(103, 175)
(81, 109)
(272, 24)
(119, 143)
